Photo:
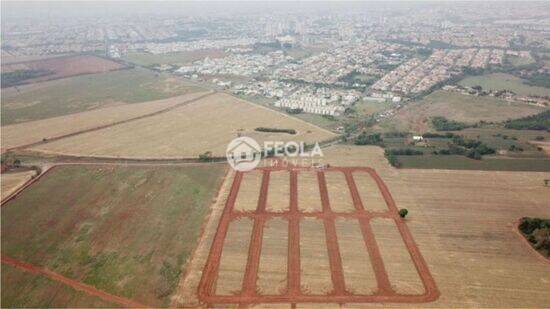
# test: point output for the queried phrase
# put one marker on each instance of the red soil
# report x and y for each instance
(293, 294)
(88, 289)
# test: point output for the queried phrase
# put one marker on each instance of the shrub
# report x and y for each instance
(366, 139)
(403, 212)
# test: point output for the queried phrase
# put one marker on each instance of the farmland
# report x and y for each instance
(500, 81)
(12, 181)
(87, 92)
(470, 109)
(35, 131)
(127, 231)
(61, 67)
(462, 222)
(205, 125)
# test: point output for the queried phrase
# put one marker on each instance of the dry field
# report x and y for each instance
(35, 131)
(461, 221)
(12, 181)
(208, 124)
(64, 67)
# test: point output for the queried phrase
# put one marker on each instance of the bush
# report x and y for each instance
(404, 152)
(275, 130)
(368, 139)
(403, 212)
(539, 121)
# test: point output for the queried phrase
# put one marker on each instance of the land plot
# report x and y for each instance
(338, 192)
(370, 194)
(208, 124)
(397, 260)
(83, 93)
(35, 131)
(309, 198)
(358, 272)
(13, 181)
(315, 268)
(234, 257)
(127, 231)
(272, 273)
(249, 192)
(278, 196)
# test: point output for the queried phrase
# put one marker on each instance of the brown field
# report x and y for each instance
(64, 67)
(34, 131)
(247, 198)
(461, 221)
(397, 261)
(315, 268)
(233, 261)
(272, 274)
(338, 192)
(12, 181)
(208, 124)
(368, 191)
(309, 198)
(278, 196)
(358, 271)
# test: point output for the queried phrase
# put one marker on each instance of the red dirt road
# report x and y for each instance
(294, 294)
(88, 289)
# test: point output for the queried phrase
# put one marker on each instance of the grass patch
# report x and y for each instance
(125, 230)
(501, 81)
(86, 92)
(463, 163)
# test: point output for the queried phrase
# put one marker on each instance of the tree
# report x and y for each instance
(403, 212)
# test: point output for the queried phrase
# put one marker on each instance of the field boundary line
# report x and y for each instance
(27, 184)
(77, 285)
(112, 124)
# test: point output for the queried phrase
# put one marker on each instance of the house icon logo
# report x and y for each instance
(243, 154)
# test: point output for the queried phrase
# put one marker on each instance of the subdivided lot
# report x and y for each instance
(128, 231)
(416, 116)
(464, 225)
(208, 124)
(501, 81)
(12, 181)
(61, 67)
(35, 131)
(87, 92)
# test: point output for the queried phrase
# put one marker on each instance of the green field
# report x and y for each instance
(125, 230)
(415, 115)
(463, 163)
(24, 289)
(147, 59)
(519, 61)
(81, 93)
(500, 81)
